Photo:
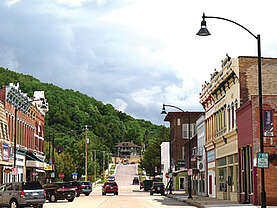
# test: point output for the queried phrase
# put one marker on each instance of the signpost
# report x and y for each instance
(262, 160)
(74, 176)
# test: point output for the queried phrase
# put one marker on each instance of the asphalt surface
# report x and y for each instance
(129, 195)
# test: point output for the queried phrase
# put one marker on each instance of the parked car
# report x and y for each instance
(136, 181)
(157, 188)
(59, 191)
(111, 178)
(110, 187)
(22, 194)
(82, 187)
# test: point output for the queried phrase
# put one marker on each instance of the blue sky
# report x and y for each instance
(134, 54)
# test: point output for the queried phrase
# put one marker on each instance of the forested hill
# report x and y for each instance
(70, 111)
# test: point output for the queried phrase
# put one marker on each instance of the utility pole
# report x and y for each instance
(95, 166)
(15, 135)
(103, 164)
(86, 164)
(53, 154)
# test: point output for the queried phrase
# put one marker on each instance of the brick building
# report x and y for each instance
(249, 145)
(231, 87)
(22, 117)
(179, 134)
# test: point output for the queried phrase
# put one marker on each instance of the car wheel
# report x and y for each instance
(103, 193)
(40, 206)
(87, 194)
(70, 200)
(77, 195)
(13, 204)
(151, 193)
(53, 198)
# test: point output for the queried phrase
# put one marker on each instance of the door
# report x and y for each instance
(182, 184)
(7, 194)
(2, 189)
(210, 184)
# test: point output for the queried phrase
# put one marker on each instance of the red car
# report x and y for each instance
(110, 187)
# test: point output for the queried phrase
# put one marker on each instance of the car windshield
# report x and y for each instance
(31, 185)
(65, 185)
(85, 183)
(158, 184)
(111, 184)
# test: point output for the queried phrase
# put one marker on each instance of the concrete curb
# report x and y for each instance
(188, 201)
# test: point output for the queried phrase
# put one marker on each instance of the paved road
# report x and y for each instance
(129, 196)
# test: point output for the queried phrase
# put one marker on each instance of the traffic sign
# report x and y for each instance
(190, 172)
(61, 175)
(166, 175)
(262, 160)
(14, 171)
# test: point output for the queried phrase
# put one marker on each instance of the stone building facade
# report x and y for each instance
(228, 89)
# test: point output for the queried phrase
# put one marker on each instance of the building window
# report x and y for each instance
(229, 119)
(233, 117)
(221, 179)
(186, 130)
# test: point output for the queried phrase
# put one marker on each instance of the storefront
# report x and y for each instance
(34, 168)
(227, 169)
(211, 176)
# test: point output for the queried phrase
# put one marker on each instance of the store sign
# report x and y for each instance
(5, 151)
(262, 160)
(181, 163)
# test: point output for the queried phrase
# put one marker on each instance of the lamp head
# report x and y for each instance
(163, 110)
(203, 30)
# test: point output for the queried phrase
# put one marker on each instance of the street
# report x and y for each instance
(129, 195)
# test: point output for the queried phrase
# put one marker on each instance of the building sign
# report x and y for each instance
(181, 163)
(5, 151)
(262, 160)
(268, 123)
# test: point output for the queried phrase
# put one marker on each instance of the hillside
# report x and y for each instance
(70, 111)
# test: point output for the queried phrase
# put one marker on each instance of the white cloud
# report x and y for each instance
(72, 3)
(120, 104)
(11, 2)
(146, 97)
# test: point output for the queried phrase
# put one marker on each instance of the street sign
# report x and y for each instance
(170, 175)
(190, 172)
(61, 175)
(53, 175)
(262, 160)
(14, 171)
(181, 163)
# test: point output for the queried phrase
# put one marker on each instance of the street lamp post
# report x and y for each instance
(189, 156)
(204, 32)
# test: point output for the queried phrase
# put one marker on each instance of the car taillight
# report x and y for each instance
(44, 193)
(22, 193)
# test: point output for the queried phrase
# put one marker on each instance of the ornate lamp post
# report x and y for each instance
(189, 153)
(204, 32)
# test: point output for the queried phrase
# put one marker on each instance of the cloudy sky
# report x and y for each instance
(134, 54)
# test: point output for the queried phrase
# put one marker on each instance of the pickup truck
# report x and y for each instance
(59, 191)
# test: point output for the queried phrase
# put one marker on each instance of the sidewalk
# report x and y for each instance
(206, 202)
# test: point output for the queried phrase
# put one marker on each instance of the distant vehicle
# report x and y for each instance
(21, 194)
(82, 187)
(157, 188)
(133, 162)
(59, 191)
(111, 178)
(136, 181)
(125, 162)
(110, 187)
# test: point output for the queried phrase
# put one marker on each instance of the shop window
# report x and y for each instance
(221, 161)
(222, 179)
(230, 159)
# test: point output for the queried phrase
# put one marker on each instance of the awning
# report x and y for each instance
(40, 171)
(31, 156)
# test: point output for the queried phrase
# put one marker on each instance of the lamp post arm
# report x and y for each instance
(228, 20)
(174, 107)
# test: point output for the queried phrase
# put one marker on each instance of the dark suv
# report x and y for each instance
(59, 191)
(110, 187)
(158, 188)
(82, 187)
(22, 194)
